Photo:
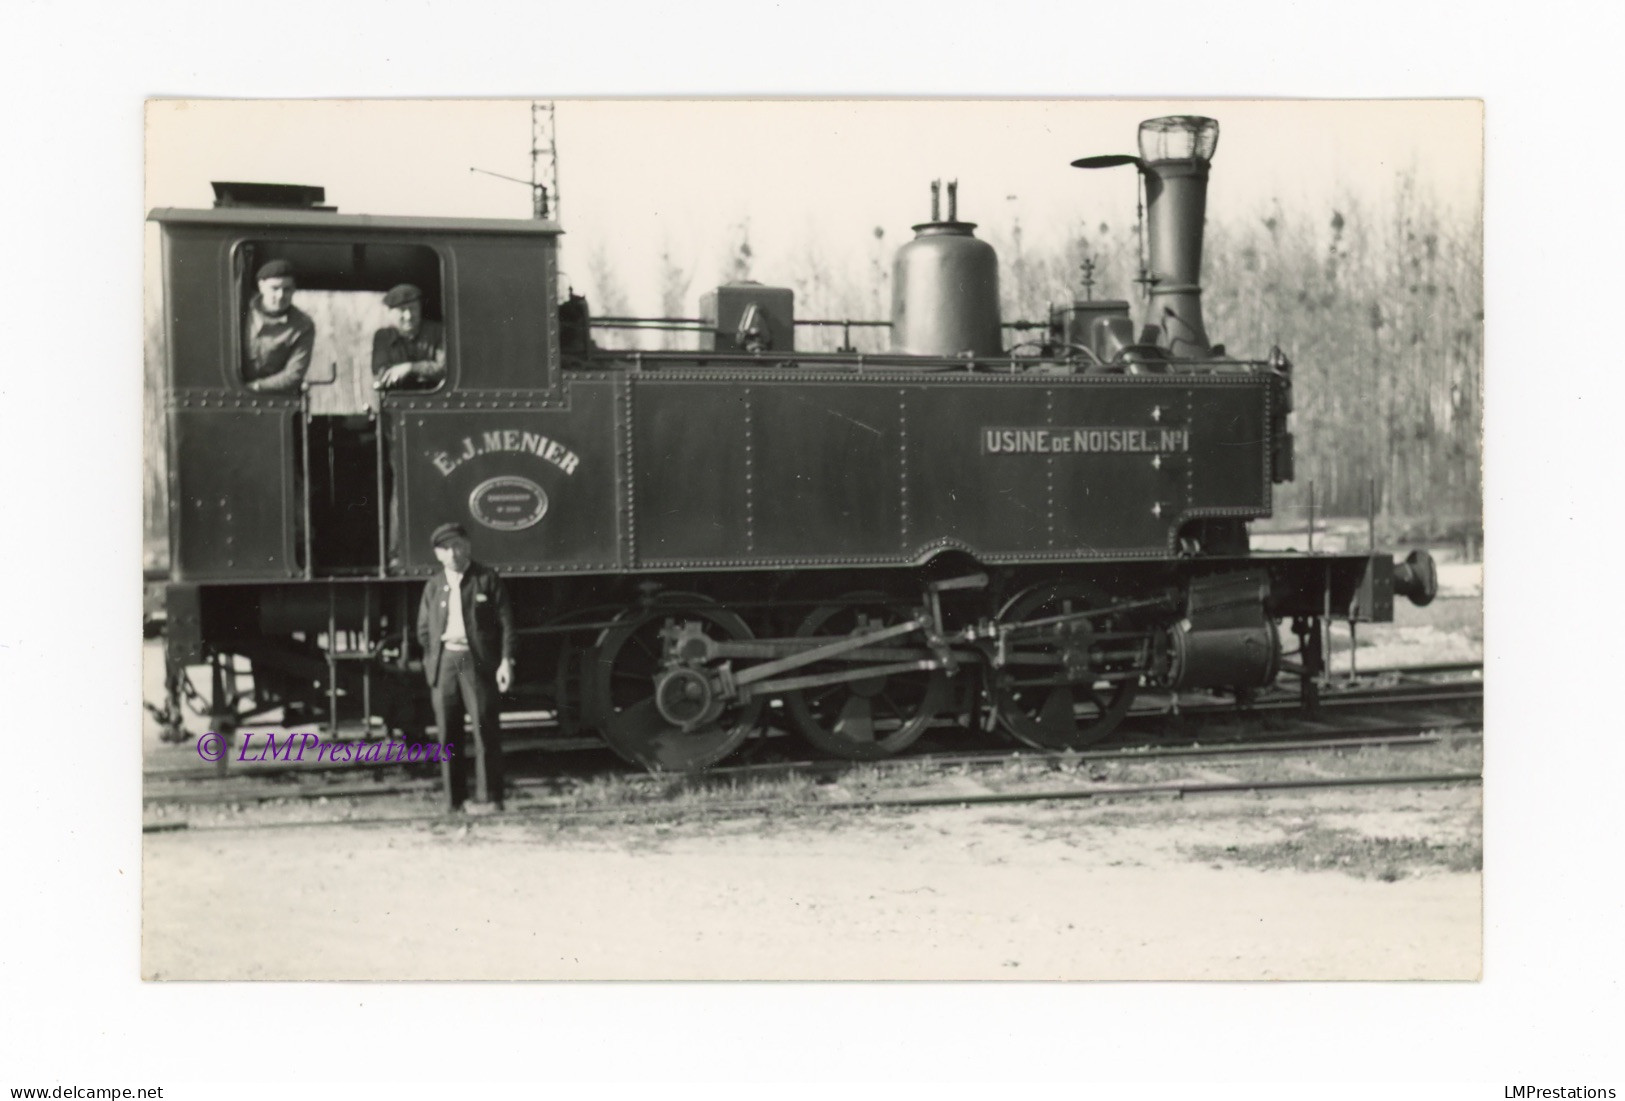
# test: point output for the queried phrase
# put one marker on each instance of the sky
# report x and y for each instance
(638, 177)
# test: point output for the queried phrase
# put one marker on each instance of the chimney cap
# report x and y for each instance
(1179, 138)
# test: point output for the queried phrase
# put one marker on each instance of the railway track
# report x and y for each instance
(250, 790)
(1390, 720)
(1154, 721)
(741, 808)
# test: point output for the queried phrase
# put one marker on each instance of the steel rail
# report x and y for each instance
(1381, 737)
(1173, 787)
(1449, 692)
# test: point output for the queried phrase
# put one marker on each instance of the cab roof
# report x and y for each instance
(271, 218)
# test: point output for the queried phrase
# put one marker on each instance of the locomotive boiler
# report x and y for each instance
(705, 544)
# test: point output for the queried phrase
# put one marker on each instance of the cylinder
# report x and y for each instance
(1229, 657)
(945, 293)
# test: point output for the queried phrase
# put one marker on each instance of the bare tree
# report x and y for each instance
(607, 295)
(674, 284)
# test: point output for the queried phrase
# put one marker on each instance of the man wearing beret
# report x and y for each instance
(410, 352)
(465, 627)
(278, 337)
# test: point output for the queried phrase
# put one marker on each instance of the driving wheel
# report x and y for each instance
(864, 720)
(1050, 695)
(655, 702)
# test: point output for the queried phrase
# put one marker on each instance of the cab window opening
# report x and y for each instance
(363, 317)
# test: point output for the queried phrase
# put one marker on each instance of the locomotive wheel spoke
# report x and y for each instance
(626, 663)
(1049, 712)
(857, 721)
(1059, 713)
(891, 705)
(642, 721)
(864, 720)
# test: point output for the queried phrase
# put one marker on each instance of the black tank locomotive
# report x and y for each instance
(701, 543)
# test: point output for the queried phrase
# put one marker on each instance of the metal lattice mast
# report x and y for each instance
(544, 161)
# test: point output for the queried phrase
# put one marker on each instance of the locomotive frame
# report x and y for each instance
(876, 541)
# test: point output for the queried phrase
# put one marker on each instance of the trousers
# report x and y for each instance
(462, 688)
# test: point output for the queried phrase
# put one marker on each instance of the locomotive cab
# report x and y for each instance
(304, 478)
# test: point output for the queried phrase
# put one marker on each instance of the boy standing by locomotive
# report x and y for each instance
(465, 626)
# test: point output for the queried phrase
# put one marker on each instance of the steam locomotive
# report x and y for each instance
(703, 543)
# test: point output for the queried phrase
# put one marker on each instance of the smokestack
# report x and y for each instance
(1174, 156)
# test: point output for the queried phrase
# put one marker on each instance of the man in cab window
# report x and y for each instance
(278, 337)
(410, 352)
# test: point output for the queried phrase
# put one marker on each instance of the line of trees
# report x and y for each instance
(1381, 312)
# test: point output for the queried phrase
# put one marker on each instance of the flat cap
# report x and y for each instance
(273, 268)
(445, 533)
(402, 294)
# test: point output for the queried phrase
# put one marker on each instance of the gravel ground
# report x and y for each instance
(1073, 891)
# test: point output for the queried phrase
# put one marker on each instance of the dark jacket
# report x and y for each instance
(487, 615)
(389, 347)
